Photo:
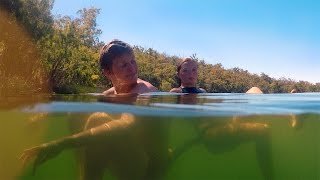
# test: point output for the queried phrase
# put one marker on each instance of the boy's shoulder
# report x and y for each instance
(176, 90)
(109, 91)
(146, 86)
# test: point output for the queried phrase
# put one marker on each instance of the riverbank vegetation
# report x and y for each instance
(40, 52)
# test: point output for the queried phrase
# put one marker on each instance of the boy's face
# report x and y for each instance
(188, 73)
(124, 69)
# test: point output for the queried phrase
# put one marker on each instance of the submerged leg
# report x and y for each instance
(260, 133)
(156, 142)
(113, 146)
(94, 157)
(94, 163)
(264, 155)
(176, 153)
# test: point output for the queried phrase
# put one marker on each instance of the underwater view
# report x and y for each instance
(189, 90)
(162, 136)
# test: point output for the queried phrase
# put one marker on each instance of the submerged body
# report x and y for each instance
(222, 144)
(138, 151)
(110, 142)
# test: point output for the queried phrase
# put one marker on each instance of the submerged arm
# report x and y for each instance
(49, 150)
(100, 132)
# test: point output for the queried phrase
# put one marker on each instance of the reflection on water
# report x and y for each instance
(132, 145)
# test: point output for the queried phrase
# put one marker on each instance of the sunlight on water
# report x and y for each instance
(171, 104)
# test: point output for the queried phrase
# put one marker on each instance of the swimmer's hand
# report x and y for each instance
(40, 153)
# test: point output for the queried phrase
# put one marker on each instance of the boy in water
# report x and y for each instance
(128, 147)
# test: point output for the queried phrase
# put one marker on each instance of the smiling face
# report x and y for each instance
(188, 73)
(124, 70)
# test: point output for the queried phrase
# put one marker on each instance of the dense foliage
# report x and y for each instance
(21, 70)
(39, 52)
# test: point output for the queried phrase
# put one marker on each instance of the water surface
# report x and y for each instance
(209, 136)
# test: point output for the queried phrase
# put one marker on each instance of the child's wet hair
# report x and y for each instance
(112, 50)
(183, 61)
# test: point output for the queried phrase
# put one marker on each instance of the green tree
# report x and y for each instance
(70, 53)
(21, 71)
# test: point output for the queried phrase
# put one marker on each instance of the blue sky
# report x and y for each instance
(279, 38)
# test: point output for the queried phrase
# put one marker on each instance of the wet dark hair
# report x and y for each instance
(112, 50)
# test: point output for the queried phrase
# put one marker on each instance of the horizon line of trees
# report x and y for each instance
(40, 52)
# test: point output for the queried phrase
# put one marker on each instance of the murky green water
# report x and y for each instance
(211, 136)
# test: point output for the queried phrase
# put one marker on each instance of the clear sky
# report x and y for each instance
(278, 37)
